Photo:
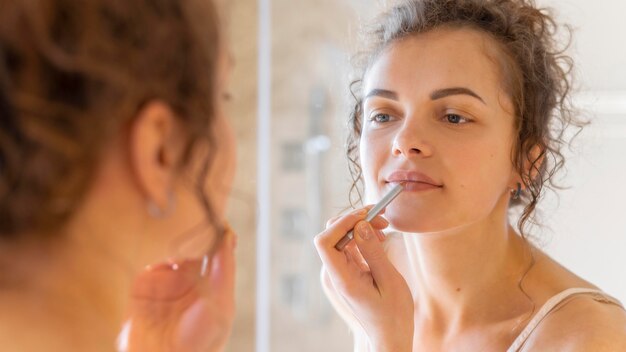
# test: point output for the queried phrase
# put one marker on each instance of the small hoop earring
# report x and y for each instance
(156, 212)
(515, 193)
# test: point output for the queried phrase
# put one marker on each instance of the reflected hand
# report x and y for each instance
(174, 308)
(374, 290)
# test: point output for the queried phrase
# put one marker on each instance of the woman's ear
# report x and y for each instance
(155, 151)
(532, 164)
(535, 160)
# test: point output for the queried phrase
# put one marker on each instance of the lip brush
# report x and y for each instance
(372, 213)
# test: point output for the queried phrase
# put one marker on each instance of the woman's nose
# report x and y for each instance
(409, 141)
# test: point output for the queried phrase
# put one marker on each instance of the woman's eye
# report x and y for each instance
(381, 118)
(456, 119)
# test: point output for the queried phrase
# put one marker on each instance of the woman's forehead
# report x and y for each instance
(442, 57)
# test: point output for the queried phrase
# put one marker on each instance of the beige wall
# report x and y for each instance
(308, 53)
(308, 63)
(243, 37)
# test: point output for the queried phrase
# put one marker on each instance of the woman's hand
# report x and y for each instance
(175, 309)
(374, 290)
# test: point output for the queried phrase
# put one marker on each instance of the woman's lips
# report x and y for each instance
(417, 186)
(413, 180)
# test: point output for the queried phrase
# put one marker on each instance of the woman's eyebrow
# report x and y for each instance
(382, 93)
(442, 93)
(437, 94)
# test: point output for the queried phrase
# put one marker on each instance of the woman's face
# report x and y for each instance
(435, 115)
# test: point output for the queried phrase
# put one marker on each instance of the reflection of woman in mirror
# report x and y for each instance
(108, 155)
(466, 102)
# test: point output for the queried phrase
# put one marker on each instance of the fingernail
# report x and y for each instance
(173, 265)
(205, 264)
(365, 230)
(385, 221)
(168, 265)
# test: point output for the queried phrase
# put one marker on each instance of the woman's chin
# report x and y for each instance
(411, 224)
(426, 225)
(421, 223)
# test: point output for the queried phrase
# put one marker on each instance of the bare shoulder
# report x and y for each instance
(581, 324)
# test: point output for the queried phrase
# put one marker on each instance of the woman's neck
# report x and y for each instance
(80, 279)
(466, 276)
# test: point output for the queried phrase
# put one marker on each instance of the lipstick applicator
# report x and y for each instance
(372, 213)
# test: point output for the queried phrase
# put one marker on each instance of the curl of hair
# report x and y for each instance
(537, 75)
(73, 74)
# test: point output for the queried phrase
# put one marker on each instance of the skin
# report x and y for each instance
(114, 262)
(461, 262)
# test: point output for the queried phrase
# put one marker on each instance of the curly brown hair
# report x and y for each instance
(537, 76)
(73, 74)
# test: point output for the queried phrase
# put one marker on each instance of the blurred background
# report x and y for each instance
(290, 108)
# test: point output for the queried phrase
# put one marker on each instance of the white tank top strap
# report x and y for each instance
(551, 304)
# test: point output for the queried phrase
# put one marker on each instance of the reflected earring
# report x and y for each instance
(515, 193)
(156, 212)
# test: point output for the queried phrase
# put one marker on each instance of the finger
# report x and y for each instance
(156, 294)
(220, 282)
(334, 219)
(381, 235)
(379, 222)
(355, 256)
(335, 261)
(374, 254)
(355, 211)
(331, 221)
(329, 237)
(162, 282)
(170, 281)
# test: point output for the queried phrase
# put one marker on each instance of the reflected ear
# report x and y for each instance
(155, 151)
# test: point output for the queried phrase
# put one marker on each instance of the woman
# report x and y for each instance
(463, 101)
(115, 156)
